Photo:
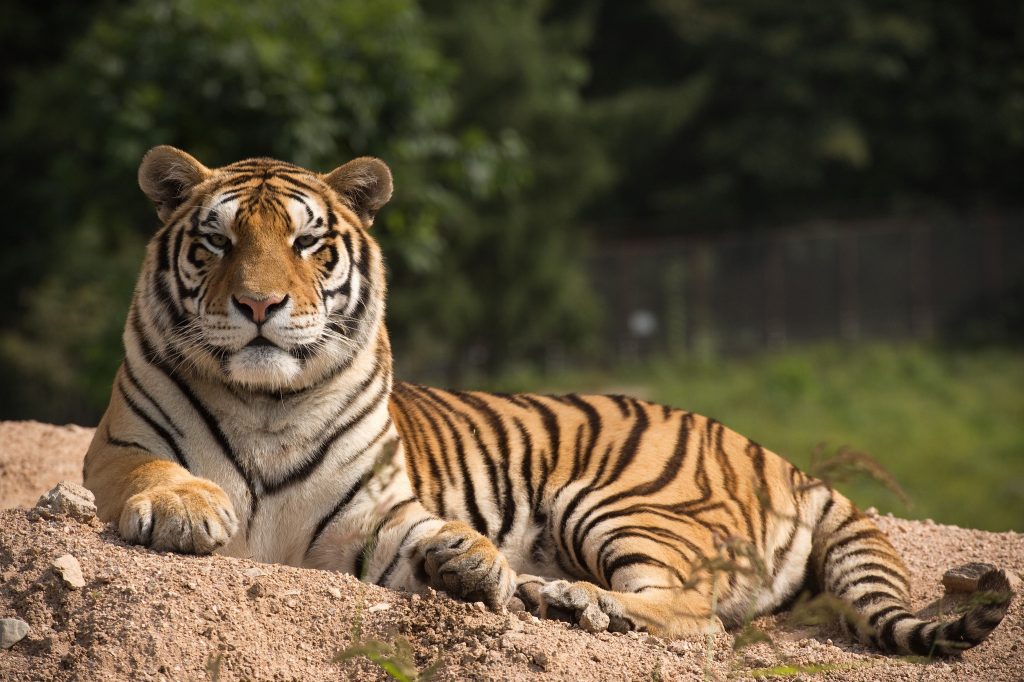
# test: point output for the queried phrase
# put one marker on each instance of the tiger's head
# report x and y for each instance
(264, 274)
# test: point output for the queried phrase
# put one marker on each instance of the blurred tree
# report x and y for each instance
(739, 112)
(316, 82)
(518, 286)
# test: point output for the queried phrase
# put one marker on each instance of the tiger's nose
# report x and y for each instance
(258, 310)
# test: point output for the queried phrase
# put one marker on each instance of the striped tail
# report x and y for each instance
(854, 561)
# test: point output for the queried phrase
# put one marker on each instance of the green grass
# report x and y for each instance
(948, 424)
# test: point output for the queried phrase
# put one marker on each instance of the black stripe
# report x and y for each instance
(888, 636)
(668, 473)
(839, 544)
(211, 423)
(326, 519)
(627, 560)
(309, 466)
(370, 546)
(138, 387)
(389, 569)
(497, 424)
(160, 431)
(469, 489)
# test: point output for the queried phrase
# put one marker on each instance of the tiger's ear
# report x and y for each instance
(364, 184)
(166, 175)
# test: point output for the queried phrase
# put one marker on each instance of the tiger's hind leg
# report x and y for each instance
(647, 588)
(669, 612)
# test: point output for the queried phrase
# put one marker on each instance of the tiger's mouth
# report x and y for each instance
(260, 340)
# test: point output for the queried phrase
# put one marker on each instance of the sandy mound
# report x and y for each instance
(143, 615)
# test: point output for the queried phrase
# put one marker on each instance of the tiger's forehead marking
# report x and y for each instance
(232, 211)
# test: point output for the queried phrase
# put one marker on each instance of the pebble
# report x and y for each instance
(380, 606)
(67, 499)
(257, 590)
(334, 592)
(965, 578)
(69, 570)
(680, 646)
(12, 631)
(253, 572)
(541, 659)
(593, 619)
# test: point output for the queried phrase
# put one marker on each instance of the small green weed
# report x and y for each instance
(789, 670)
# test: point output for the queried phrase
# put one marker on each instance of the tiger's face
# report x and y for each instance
(264, 273)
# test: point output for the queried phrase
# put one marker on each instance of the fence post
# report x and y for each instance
(849, 291)
(701, 333)
(921, 314)
(775, 294)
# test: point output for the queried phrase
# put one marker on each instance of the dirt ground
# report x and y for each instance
(143, 615)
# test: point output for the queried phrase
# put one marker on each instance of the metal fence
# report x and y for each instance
(837, 281)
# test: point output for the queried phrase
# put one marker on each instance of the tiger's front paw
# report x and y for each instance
(193, 517)
(466, 565)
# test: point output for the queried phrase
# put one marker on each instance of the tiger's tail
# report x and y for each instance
(854, 561)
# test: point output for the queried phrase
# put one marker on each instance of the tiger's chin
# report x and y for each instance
(263, 367)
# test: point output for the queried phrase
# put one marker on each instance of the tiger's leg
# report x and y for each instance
(648, 587)
(153, 501)
(410, 549)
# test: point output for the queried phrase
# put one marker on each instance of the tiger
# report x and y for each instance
(255, 414)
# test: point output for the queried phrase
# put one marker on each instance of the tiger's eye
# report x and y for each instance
(217, 240)
(307, 240)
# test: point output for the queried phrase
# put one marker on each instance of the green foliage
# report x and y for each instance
(512, 128)
(791, 670)
(316, 83)
(946, 424)
(740, 111)
(395, 658)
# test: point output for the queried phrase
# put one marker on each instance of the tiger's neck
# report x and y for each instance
(303, 453)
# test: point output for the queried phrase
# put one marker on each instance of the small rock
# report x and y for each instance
(680, 646)
(67, 499)
(256, 590)
(479, 606)
(334, 592)
(291, 603)
(253, 572)
(593, 619)
(69, 570)
(524, 616)
(541, 659)
(965, 578)
(381, 606)
(12, 631)
(515, 605)
(756, 659)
